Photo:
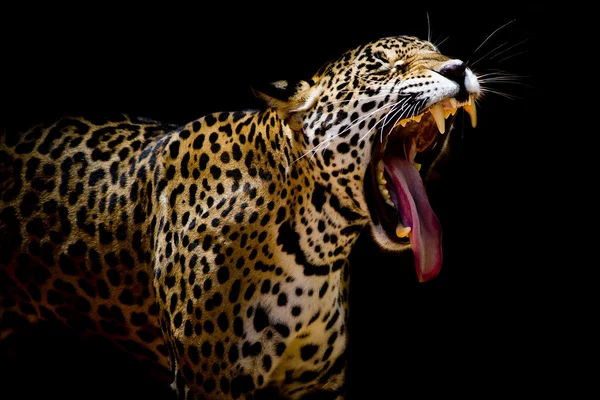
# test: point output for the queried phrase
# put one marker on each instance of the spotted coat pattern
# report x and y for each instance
(216, 250)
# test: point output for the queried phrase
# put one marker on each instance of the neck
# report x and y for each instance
(323, 218)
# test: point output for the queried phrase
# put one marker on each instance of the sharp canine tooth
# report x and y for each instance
(417, 166)
(453, 102)
(438, 115)
(402, 231)
(472, 111)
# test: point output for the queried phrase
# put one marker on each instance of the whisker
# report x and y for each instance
(487, 54)
(328, 140)
(510, 48)
(511, 56)
(442, 42)
(499, 93)
(492, 34)
(359, 99)
(428, 27)
(378, 110)
(390, 115)
(402, 114)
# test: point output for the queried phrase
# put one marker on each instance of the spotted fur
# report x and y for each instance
(216, 250)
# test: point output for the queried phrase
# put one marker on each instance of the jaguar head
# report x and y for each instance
(380, 115)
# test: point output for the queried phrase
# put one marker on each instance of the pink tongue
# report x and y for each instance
(426, 234)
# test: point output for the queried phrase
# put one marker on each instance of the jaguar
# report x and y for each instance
(218, 250)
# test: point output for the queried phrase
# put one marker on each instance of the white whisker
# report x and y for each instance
(510, 48)
(492, 34)
(328, 140)
(358, 99)
(428, 27)
(487, 54)
(442, 42)
(385, 119)
(511, 56)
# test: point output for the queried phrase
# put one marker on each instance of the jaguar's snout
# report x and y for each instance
(455, 70)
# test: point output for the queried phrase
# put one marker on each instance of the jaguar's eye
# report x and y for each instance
(381, 56)
(400, 65)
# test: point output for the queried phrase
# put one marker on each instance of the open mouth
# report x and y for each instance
(394, 189)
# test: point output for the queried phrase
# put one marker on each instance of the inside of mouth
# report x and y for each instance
(415, 139)
(399, 203)
(395, 191)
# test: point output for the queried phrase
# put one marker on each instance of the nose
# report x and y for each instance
(455, 71)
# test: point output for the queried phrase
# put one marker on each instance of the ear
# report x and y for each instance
(289, 97)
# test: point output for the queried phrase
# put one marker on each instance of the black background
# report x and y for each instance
(465, 332)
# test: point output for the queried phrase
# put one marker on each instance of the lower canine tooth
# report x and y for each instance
(438, 115)
(402, 231)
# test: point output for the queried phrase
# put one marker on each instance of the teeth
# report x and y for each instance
(382, 184)
(380, 179)
(438, 115)
(386, 195)
(472, 111)
(417, 166)
(449, 111)
(405, 121)
(442, 111)
(402, 231)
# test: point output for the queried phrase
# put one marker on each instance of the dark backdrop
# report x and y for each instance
(450, 335)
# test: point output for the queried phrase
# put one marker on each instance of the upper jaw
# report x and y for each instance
(416, 125)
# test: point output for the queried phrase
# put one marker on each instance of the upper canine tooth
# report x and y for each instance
(438, 115)
(453, 102)
(472, 111)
